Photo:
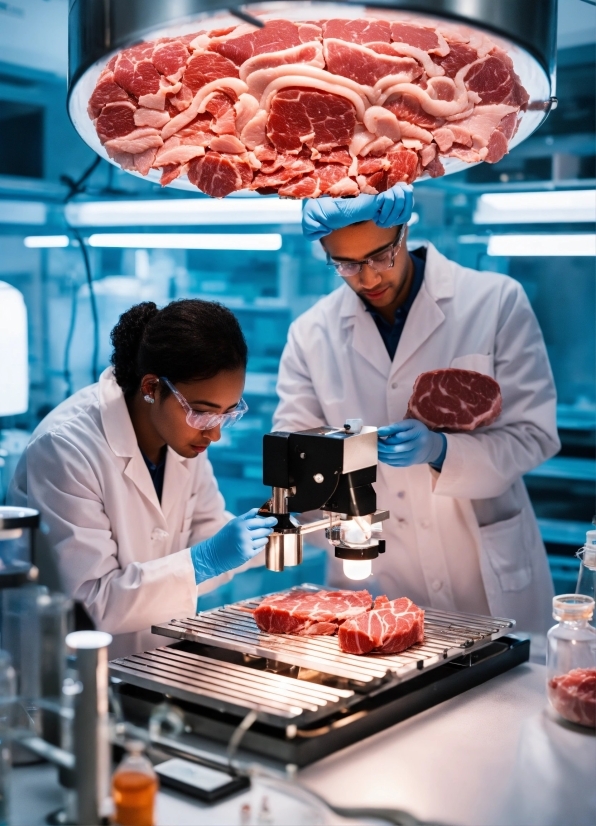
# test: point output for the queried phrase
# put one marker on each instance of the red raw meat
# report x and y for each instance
(418, 36)
(391, 627)
(455, 400)
(340, 155)
(492, 79)
(318, 119)
(217, 175)
(106, 91)
(403, 167)
(459, 56)
(307, 87)
(304, 612)
(277, 35)
(366, 66)
(169, 58)
(204, 68)
(573, 695)
(358, 31)
(116, 120)
(406, 107)
(138, 78)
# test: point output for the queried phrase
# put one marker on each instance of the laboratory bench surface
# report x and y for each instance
(493, 756)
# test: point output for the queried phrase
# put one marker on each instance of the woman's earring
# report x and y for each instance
(149, 399)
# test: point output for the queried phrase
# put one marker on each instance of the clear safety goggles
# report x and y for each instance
(204, 420)
(380, 262)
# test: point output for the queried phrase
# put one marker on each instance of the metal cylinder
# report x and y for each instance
(274, 552)
(90, 726)
(292, 549)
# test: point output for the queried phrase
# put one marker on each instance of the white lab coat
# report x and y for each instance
(464, 539)
(107, 541)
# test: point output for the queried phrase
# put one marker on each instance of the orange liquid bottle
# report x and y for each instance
(134, 788)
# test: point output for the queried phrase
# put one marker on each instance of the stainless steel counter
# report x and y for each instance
(490, 757)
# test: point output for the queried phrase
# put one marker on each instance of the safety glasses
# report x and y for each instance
(380, 262)
(202, 420)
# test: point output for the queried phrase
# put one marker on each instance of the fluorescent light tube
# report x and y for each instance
(186, 241)
(543, 245)
(194, 212)
(23, 212)
(561, 207)
(41, 241)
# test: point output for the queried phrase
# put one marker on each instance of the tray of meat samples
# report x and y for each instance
(345, 634)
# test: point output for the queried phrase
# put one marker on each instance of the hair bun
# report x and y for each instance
(126, 339)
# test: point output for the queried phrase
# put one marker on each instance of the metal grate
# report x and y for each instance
(228, 687)
(447, 636)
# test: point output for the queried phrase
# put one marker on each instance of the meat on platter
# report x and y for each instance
(455, 400)
(363, 626)
(573, 695)
(332, 107)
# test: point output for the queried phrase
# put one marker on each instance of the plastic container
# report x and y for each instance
(571, 660)
(134, 788)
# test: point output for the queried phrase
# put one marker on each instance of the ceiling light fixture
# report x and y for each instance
(563, 206)
(187, 241)
(513, 246)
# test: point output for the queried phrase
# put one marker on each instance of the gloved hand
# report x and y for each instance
(320, 216)
(232, 546)
(411, 443)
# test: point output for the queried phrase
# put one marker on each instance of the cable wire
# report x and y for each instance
(93, 301)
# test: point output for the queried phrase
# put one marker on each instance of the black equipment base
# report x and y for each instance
(376, 712)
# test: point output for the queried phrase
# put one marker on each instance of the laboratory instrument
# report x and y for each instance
(332, 470)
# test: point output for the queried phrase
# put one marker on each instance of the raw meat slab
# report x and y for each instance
(309, 613)
(391, 627)
(455, 400)
(573, 695)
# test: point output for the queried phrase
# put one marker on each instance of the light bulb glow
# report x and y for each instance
(357, 568)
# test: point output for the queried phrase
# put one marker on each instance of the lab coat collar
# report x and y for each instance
(423, 319)
(425, 315)
(121, 438)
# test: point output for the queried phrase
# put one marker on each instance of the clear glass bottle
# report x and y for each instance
(7, 704)
(571, 659)
(586, 581)
(134, 788)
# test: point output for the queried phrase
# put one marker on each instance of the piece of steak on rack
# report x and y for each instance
(454, 399)
(310, 613)
(391, 627)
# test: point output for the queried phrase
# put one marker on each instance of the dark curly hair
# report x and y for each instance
(187, 339)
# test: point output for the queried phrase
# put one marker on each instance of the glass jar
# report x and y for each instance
(134, 788)
(571, 659)
(586, 581)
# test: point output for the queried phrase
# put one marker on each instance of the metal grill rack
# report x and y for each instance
(310, 698)
(447, 636)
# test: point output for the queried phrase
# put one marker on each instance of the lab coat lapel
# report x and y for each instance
(425, 315)
(366, 339)
(175, 481)
(121, 437)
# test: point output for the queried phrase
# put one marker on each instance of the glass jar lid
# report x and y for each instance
(572, 607)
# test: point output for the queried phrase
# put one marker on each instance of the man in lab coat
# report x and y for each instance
(462, 533)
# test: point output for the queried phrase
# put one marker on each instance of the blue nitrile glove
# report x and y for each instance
(320, 216)
(232, 546)
(411, 443)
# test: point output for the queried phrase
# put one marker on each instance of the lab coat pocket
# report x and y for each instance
(506, 546)
(477, 362)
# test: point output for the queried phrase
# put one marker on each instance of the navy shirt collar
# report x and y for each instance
(391, 333)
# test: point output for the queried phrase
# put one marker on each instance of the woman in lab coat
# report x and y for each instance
(132, 518)
(462, 533)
